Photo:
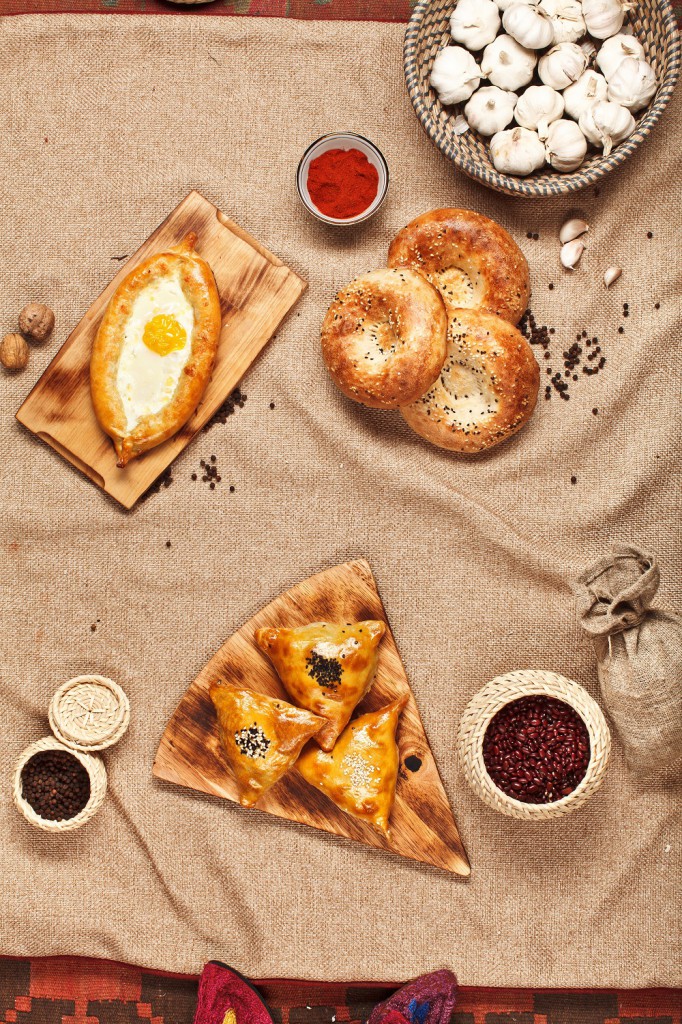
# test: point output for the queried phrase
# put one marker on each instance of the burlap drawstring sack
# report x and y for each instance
(639, 655)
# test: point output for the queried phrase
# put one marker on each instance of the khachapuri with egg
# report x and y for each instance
(154, 351)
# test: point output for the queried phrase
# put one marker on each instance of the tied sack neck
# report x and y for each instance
(617, 592)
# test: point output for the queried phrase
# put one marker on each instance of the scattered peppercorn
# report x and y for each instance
(165, 480)
(595, 412)
(657, 305)
(55, 784)
(649, 234)
(234, 401)
(272, 405)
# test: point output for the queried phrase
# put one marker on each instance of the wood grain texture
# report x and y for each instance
(422, 824)
(256, 292)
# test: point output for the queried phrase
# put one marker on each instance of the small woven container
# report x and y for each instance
(89, 713)
(428, 31)
(98, 787)
(492, 698)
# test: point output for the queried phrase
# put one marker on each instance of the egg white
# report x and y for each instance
(145, 380)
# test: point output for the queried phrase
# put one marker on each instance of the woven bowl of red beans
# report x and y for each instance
(534, 745)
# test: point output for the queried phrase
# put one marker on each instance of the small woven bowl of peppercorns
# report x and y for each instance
(58, 789)
(534, 745)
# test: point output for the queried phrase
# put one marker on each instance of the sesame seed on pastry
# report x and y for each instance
(486, 390)
(474, 263)
(384, 338)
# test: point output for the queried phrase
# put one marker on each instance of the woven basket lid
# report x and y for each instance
(89, 713)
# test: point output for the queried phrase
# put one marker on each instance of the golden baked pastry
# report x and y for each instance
(474, 263)
(325, 668)
(260, 736)
(155, 348)
(383, 338)
(486, 390)
(360, 774)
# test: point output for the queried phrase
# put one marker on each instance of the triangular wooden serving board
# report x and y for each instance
(422, 824)
(256, 292)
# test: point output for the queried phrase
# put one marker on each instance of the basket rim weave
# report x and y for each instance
(101, 738)
(492, 698)
(98, 787)
(543, 183)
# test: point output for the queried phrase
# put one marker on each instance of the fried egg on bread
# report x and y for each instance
(155, 349)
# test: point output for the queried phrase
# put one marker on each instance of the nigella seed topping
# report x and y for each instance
(324, 670)
(252, 741)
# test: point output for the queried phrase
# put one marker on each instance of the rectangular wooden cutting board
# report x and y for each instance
(422, 824)
(256, 292)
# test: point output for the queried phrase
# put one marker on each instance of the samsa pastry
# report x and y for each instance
(325, 668)
(155, 348)
(361, 772)
(260, 736)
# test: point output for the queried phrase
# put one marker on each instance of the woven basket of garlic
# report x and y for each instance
(540, 97)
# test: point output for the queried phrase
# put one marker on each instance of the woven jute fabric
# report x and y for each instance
(106, 125)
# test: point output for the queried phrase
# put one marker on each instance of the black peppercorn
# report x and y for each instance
(55, 784)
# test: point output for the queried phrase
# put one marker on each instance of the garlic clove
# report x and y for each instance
(572, 229)
(571, 253)
(460, 125)
(611, 275)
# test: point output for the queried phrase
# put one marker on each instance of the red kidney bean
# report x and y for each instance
(537, 749)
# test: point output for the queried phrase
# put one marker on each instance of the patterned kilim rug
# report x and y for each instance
(70, 990)
(332, 10)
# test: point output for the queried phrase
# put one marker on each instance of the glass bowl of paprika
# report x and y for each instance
(342, 178)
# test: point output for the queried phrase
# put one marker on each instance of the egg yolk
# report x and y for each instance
(163, 334)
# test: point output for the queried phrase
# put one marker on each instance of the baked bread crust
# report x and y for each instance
(487, 388)
(199, 287)
(474, 263)
(361, 773)
(384, 338)
(261, 737)
(325, 667)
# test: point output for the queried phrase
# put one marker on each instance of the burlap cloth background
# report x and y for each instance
(106, 124)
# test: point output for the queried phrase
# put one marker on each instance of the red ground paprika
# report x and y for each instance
(342, 183)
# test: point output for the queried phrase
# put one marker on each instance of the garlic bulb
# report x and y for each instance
(604, 18)
(529, 25)
(589, 49)
(566, 17)
(606, 124)
(490, 109)
(562, 65)
(504, 4)
(507, 64)
(566, 145)
(614, 50)
(633, 84)
(537, 107)
(590, 88)
(475, 23)
(517, 151)
(455, 75)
